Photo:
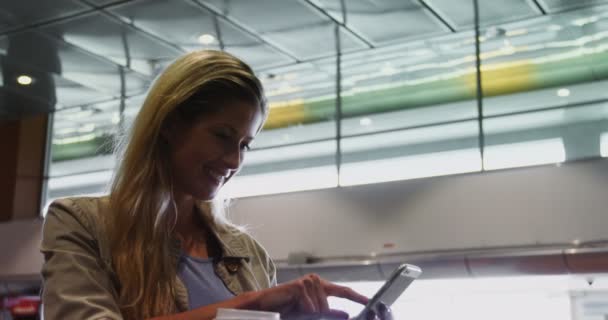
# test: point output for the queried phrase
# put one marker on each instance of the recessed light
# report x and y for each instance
(24, 80)
(206, 39)
(563, 92)
(365, 121)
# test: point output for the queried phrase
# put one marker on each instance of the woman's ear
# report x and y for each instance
(165, 134)
(170, 129)
(168, 132)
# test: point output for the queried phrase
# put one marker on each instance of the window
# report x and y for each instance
(523, 297)
(368, 104)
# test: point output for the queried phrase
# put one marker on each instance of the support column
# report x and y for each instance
(22, 166)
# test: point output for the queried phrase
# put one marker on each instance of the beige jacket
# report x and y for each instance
(78, 280)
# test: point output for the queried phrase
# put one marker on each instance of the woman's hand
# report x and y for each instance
(306, 295)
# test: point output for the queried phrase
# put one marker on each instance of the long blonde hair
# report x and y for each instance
(141, 223)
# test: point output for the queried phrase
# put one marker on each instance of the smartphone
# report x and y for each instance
(394, 286)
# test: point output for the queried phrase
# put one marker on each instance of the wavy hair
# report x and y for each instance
(142, 218)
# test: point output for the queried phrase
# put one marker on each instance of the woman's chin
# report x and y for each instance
(206, 194)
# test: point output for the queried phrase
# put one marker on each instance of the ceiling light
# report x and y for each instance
(24, 80)
(554, 27)
(492, 32)
(89, 127)
(365, 121)
(517, 32)
(206, 39)
(522, 154)
(281, 182)
(410, 167)
(563, 92)
(388, 69)
(115, 118)
(604, 145)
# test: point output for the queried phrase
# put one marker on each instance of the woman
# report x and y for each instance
(157, 247)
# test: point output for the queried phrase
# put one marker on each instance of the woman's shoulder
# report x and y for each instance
(77, 214)
(85, 209)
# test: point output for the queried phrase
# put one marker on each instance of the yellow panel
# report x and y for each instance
(503, 78)
(286, 113)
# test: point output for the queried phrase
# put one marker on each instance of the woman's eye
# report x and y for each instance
(223, 135)
(229, 139)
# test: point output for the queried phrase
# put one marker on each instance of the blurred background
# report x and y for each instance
(468, 137)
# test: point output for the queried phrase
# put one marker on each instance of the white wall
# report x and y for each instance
(530, 206)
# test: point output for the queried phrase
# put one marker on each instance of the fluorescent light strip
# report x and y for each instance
(282, 182)
(79, 180)
(523, 154)
(604, 144)
(410, 167)
(376, 171)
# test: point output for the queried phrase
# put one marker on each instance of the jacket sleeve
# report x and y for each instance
(266, 262)
(76, 284)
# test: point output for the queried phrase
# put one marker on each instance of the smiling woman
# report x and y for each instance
(157, 246)
(226, 137)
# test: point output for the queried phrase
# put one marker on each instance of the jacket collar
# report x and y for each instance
(231, 247)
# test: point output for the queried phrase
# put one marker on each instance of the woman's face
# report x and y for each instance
(207, 153)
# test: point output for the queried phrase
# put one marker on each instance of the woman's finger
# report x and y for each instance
(335, 290)
(319, 293)
(307, 300)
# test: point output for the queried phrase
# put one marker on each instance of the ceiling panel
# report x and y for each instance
(15, 14)
(104, 76)
(250, 48)
(299, 81)
(262, 14)
(302, 31)
(183, 23)
(560, 5)
(400, 18)
(459, 13)
(70, 93)
(108, 38)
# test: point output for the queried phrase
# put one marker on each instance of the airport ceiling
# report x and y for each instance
(63, 54)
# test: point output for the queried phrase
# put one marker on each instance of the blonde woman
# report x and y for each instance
(156, 247)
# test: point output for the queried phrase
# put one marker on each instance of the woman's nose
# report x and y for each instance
(233, 158)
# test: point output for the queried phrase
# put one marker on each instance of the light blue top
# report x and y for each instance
(204, 286)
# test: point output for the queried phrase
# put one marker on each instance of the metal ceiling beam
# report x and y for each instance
(246, 30)
(537, 5)
(437, 16)
(320, 10)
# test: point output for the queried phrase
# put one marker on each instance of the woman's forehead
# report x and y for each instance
(244, 117)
